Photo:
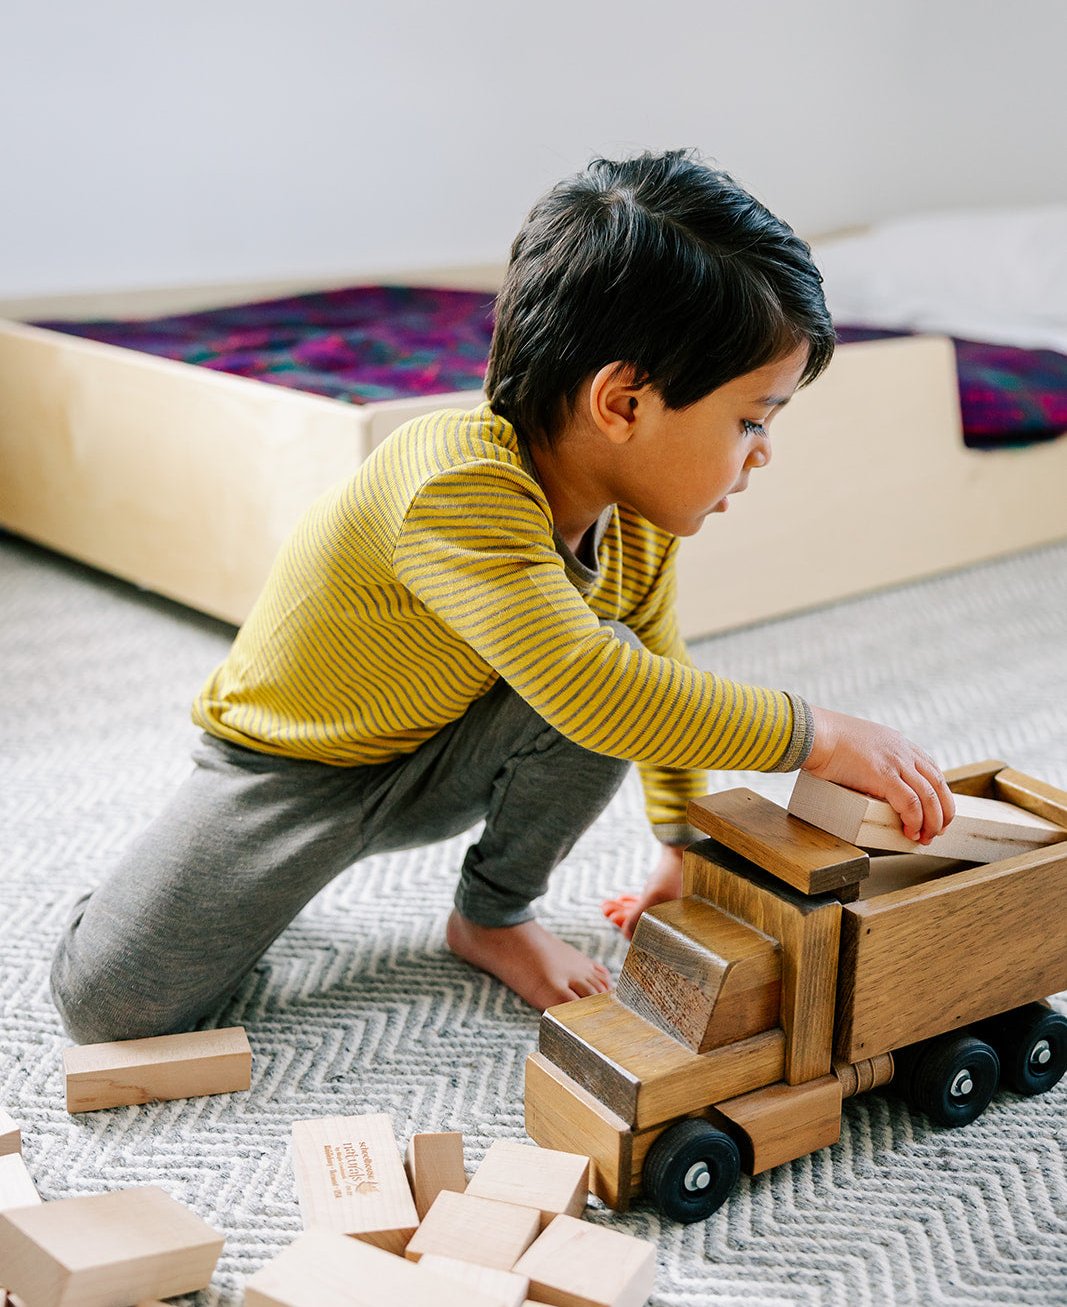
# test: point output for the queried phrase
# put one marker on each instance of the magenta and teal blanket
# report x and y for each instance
(392, 342)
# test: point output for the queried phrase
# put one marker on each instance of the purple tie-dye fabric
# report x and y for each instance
(1008, 396)
(391, 342)
(360, 344)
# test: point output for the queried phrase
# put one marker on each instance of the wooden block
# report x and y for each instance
(974, 778)
(640, 1073)
(924, 960)
(473, 1229)
(543, 1178)
(561, 1114)
(132, 1071)
(434, 1162)
(349, 1178)
(505, 1288)
(1034, 796)
(579, 1264)
(109, 1248)
(704, 977)
(983, 830)
(808, 930)
(325, 1269)
(782, 1122)
(16, 1186)
(10, 1135)
(810, 860)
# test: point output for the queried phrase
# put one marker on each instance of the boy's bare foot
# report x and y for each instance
(529, 959)
(663, 885)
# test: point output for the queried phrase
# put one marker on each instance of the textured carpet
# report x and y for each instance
(358, 1007)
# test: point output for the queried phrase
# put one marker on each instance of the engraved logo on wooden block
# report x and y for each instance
(351, 1172)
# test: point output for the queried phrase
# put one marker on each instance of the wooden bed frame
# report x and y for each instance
(185, 481)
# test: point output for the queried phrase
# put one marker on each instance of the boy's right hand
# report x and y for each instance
(886, 765)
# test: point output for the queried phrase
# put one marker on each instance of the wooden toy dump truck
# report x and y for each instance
(796, 971)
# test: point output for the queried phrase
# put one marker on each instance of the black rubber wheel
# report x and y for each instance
(1031, 1043)
(952, 1079)
(690, 1170)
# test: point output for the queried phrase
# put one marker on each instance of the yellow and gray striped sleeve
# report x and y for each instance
(476, 549)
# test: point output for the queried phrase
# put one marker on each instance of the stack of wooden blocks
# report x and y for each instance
(380, 1232)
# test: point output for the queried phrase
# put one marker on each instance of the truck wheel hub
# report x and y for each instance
(1041, 1053)
(962, 1085)
(697, 1177)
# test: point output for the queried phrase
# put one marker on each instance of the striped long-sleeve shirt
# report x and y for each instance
(404, 594)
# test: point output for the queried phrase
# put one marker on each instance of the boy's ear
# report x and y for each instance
(614, 401)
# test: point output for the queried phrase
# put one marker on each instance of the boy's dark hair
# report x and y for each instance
(660, 262)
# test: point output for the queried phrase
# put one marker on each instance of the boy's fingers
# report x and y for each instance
(926, 767)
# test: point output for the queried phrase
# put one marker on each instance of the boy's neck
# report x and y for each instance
(574, 492)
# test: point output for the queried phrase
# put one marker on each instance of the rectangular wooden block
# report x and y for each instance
(561, 1114)
(928, 959)
(578, 1264)
(701, 975)
(350, 1179)
(505, 1288)
(133, 1071)
(434, 1162)
(16, 1185)
(118, 1247)
(810, 860)
(10, 1135)
(473, 1229)
(782, 1122)
(542, 1178)
(642, 1074)
(808, 931)
(983, 830)
(325, 1269)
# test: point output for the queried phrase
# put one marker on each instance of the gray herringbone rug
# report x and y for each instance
(358, 1007)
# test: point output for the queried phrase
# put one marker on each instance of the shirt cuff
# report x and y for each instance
(803, 735)
(676, 833)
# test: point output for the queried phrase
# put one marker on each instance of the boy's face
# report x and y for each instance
(680, 465)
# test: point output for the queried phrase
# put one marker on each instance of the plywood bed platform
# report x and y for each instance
(185, 481)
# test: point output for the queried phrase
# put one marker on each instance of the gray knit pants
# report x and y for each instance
(249, 839)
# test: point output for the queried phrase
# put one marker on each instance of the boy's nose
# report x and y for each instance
(760, 454)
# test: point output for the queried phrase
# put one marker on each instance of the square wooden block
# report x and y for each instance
(434, 1162)
(504, 1287)
(10, 1135)
(478, 1230)
(551, 1181)
(578, 1264)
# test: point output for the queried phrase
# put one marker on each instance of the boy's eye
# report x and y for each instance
(752, 428)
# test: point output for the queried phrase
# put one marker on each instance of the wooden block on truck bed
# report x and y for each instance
(983, 830)
(132, 1071)
(811, 861)
(434, 1161)
(350, 1179)
(924, 960)
(561, 1114)
(808, 930)
(324, 1269)
(546, 1179)
(473, 1229)
(118, 1247)
(578, 1264)
(642, 1074)
(1034, 796)
(701, 975)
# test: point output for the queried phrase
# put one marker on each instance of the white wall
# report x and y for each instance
(167, 143)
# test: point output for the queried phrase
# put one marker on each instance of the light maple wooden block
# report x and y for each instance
(16, 1186)
(983, 830)
(325, 1269)
(10, 1135)
(349, 1178)
(543, 1178)
(472, 1229)
(505, 1288)
(577, 1264)
(434, 1162)
(128, 1072)
(106, 1249)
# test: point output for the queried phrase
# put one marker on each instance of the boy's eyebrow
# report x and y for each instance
(775, 401)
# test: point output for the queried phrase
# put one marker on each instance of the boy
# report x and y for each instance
(479, 624)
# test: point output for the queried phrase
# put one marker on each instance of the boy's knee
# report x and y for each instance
(96, 1002)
